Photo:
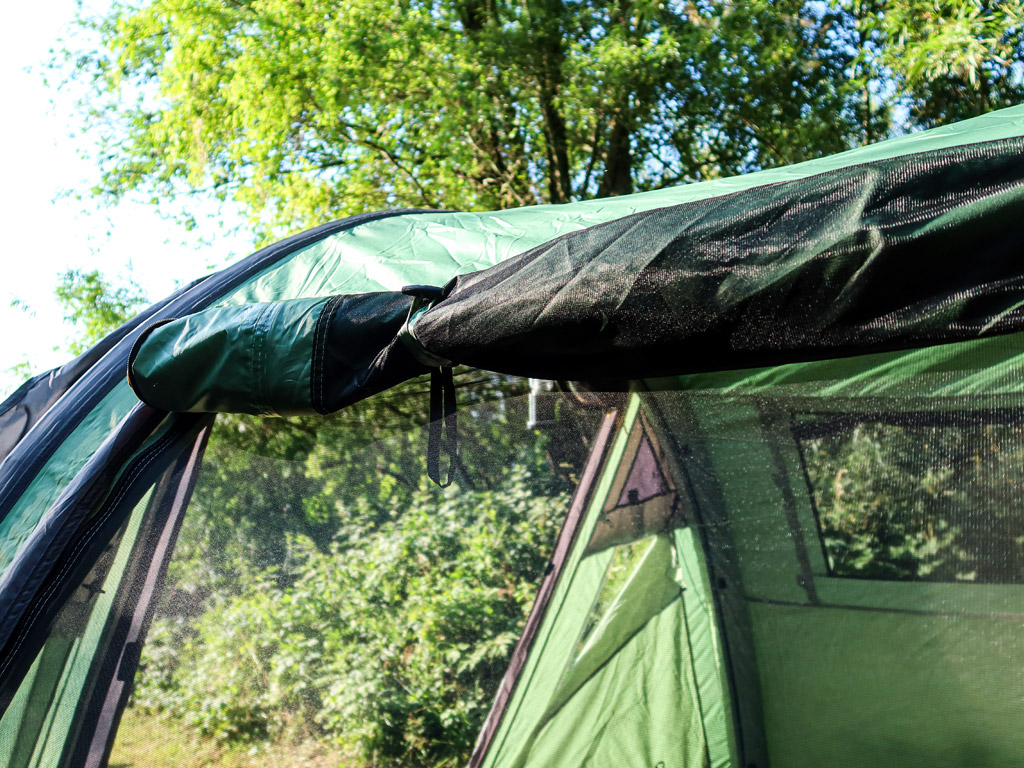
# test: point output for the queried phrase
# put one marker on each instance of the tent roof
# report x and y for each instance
(905, 244)
(430, 248)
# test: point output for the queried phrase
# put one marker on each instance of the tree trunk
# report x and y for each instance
(618, 162)
(559, 182)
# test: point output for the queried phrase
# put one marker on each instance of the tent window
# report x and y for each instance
(641, 505)
(624, 561)
(918, 497)
(329, 526)
(642, 500)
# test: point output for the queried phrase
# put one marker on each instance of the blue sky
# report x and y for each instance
(44, 234)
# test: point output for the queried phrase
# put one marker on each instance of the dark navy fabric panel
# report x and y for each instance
(20, 412)
(29, 455)
(64, 547)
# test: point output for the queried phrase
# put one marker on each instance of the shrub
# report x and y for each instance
(391, 642)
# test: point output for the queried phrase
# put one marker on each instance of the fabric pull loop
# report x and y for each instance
(444, 427)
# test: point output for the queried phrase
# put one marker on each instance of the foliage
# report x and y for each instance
(264, 480)
(21, 371)
(306, 111)
(391, 642)
(920, 501)
(320, 586)
(323, 588)
(968, 40)
(94, 305)
(953, 59)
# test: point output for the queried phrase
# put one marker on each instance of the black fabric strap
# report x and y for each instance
(444, 432)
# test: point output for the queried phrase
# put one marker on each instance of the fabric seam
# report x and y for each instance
(44, 597)
(319, 361)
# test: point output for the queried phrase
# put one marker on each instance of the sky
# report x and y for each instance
(46, 232)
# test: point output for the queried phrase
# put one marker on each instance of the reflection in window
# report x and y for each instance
(919, 497)
(641, 504)
(642, 500)
(624, 561)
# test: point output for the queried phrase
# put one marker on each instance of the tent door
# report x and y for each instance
(628, 669)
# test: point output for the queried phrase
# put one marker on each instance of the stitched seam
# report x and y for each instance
(323, 358)
(330, 322)
(264, 333)
(317, 370)
(259, 341)
(255, 359)
(313, 371)
(129, 481)
(320, 334)
(256, 370)
(44, 597)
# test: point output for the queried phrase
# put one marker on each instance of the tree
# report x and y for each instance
(933, 500)
(95, 306)
(310, 110)
(92, 304)
(306, 110)
(951, 59)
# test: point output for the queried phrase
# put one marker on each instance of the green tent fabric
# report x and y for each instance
(893, 253)
(279, 358)
(626, 663)
(770, 327)
(617, 702)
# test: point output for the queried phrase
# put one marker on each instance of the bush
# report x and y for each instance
(391, 642)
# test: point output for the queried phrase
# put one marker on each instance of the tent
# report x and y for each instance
(797, 540)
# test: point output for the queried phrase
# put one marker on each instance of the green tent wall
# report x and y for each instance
(786, 662)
